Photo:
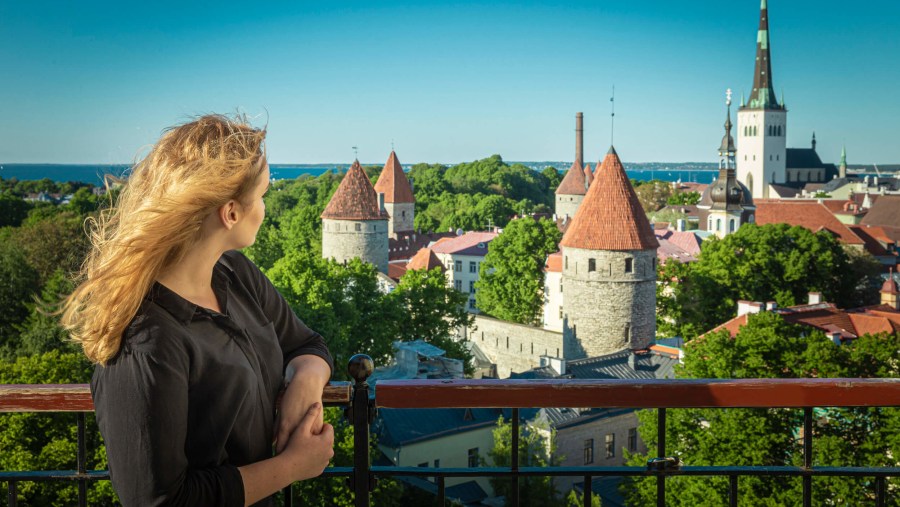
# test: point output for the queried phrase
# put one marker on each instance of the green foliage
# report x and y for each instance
(670, 216)
(18, 282)
(41, 332)
(774, 262)
(34, 441)
(653, 194)
(768, 347)
(510, 286)
(575, 500)
(52, 240)
(536, 449)
(679, 197)
(13, 209)
(554, 178)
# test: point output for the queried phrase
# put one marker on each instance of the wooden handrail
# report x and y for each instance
(77, 397)
(698, 393)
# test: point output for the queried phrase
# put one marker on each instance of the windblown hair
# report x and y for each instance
(193, 170)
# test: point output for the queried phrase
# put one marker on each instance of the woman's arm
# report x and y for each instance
(306, 454)
(306, 377)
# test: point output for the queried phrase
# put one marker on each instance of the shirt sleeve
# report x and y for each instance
(295, 337)
(141, 404)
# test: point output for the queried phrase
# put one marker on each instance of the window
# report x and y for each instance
(731, 226)
(473, 457)
(560, 286)
(718, 224)
(457, 284)
(472, 304)
(471, 287)
(592, 265)
(457, 266)
(403, 213)
(629, 265)
(560, 312)
(627, 333)
(473, 267)
(589, 451)
(423, 465)
(632, 440)
(437, 463)
(567, 262)
(610, 445)
(358, 227)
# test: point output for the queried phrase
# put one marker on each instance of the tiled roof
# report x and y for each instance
(355, 199)
(803, 158)
(808, 214)
(885, 211)
(396, 270)
(610, 217)
(683, 246)
(467, 244)
(424, 259)
(573, 182)
(393, 182)
(588, 175)
(408, 243)
(785, 191)
(647, 365)
(873, 238)
(398, 427)
(890, 286)
(554, 263)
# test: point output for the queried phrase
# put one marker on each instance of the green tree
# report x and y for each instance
(653, 194)
(41, 332)
(575, 500)
(769, 347)
(512, 275)
(13, 209)
(553, 177)
(18, 282)
(679, 197)
(775, 262)
(536, 449)
(55, 241)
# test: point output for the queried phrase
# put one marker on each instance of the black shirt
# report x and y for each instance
(191, 395)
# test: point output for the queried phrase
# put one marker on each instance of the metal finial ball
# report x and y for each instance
(360, 367)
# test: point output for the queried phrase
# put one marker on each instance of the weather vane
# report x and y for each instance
(392, 145)
(728, 97)
(355, 152)
(612, 116)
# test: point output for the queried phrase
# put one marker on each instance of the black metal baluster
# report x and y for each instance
(442, 501)
(807, 455)
(880, 492)
(733, 491)
(361, 366)
(81, 459)
(12, 495)
(586, 501)
(288, 495)
(515, 457)
(661, 453)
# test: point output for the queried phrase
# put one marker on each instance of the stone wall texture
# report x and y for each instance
(401, 214)
(608, 309)
(516, 347)
(567, 204)
(343, 240)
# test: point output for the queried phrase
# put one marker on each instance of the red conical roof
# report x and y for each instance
(573, 182)
(355, 199)
(890, 286)
(424, 259)
(610, 217)
(588, 175)
(393, 183)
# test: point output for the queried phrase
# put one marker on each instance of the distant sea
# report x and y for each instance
(93, 173)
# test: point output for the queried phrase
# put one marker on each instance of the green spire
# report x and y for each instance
(844, 156)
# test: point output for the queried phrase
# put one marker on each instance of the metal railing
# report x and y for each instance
(805, 394)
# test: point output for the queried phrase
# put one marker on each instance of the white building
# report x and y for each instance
(462, 256)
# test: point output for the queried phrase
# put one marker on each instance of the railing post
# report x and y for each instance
(661, 453)
(514, 458)
(360, 367)
(81, 460)
(807, 455)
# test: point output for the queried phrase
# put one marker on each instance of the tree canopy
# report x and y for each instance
(775, 262)
(769, 347)
(511, 282)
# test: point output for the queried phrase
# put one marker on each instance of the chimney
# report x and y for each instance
(815, 298)
(579, 137)
(632, 361)
(381, 201)
(680, 225)
(745, 307)
(771, 305)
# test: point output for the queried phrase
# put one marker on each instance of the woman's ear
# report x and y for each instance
(229, 213)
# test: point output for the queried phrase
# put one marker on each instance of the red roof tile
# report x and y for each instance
(355, 199)
(870, 324)
(396, 270)
(554, 263)
(885, 212)
(573, 182)
(610, 217)
(467, 244)
(425, 259)
(393, 182)
(872, 239)
(588, 175)
(808, 214)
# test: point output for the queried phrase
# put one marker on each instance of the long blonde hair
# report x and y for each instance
(193, 170)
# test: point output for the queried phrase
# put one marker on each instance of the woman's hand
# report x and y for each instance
(307, 452)
(307, 377)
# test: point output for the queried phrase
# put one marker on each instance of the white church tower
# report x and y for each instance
(762, 124)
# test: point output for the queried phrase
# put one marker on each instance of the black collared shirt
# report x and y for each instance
(191, 395)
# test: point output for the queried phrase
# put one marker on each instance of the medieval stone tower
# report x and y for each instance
(397, 195)
(355, 224)
(762, 123)
(575, 183)
(609, 267)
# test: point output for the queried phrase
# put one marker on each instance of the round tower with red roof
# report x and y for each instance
(609, 267)
(354, 223)
(399, 202)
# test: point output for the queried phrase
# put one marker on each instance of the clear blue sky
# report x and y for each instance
(93, 82)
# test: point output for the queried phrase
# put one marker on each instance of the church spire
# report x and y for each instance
(726, 149)
(763, 94)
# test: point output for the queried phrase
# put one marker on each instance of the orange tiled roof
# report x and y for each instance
(355, 199)
(885, 211)
(467, 244)
(610, 217)
(808, 214)
(396, 270)
(870, 324)
(393, 182)
(424, 259)
(873, 238)
(554, 263)
(573, 182)
(588, 175)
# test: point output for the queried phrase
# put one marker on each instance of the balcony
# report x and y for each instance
(805, 394)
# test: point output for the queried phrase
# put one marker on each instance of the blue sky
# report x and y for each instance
(94, 82)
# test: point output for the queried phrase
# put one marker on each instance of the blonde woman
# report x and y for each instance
(192, 342)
